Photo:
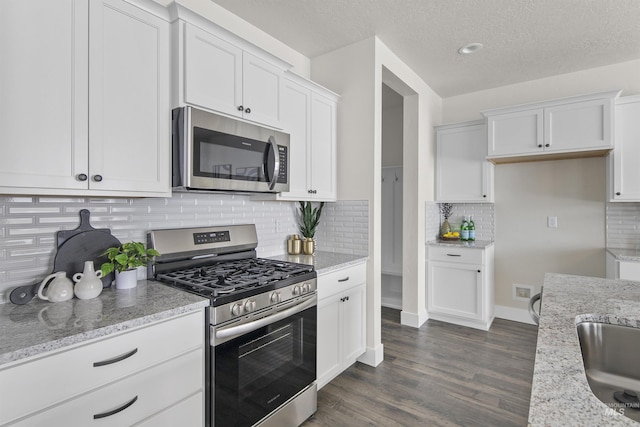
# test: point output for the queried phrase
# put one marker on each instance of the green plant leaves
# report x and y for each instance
(126, 257)
(309, 218)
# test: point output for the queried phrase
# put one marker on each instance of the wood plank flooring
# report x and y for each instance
(438, 375)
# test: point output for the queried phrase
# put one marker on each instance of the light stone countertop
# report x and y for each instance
(40, 326)
(324, 262)
(560, 394)
(477, 244)
(625, 254)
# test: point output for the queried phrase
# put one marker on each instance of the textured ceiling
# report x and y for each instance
(523, 39)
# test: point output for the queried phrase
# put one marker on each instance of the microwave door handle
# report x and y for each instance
(273, 150)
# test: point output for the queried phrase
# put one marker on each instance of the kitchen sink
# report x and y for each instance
(610, 354)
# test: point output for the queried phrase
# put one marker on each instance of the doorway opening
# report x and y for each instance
(391, 198)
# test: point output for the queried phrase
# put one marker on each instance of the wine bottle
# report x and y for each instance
(472, 229)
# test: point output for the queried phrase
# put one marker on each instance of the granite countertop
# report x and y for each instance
(324, 262)
(477, 244)
(41, 326)
(560, 394)
(625, 254)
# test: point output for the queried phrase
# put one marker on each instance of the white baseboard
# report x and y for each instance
(515, 314)
(413, 319)
(391, 304)
(373, 356)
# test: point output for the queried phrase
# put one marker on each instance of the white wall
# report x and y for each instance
(391, 127)
(526, 193)
(356, 73)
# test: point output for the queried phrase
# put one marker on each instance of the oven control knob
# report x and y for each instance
(275, 297)
(297, 290)
(306, 288)
(236, 309)
(249, 306)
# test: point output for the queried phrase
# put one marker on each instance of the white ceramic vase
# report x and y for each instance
(88, 284)
(126, 279)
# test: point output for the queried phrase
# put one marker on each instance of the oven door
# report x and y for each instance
(255, 372)
(222, 153)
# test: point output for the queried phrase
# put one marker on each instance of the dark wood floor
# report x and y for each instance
(438, 375)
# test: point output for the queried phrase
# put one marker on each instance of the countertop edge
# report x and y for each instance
(621, 254)
(27, 353)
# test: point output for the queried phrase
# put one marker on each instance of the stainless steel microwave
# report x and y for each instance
(217, 153)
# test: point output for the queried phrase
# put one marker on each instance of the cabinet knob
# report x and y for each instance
(618, 193)
(247, 110)
(240, 108)
(82, 177)
(484, 195)
(97, 178)
(479, 271)
(539, 145)
(547, 145)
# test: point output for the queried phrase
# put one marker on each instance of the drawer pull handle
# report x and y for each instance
(115, 411)
(454, 255)
(115, 359)
(343, 280)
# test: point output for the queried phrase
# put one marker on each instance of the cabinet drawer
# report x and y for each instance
(340, 280)
(451, 254)
(189, 412)
(34, 385)
(128, 401)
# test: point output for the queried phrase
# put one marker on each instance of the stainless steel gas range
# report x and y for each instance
(261, 361)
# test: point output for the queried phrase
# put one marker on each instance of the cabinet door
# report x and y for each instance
(321, 162)
(578, 126)
(296, 115)
(455, 289)
(43, 93)
(129, 129)
(261, 91)
(629, 270)
(515, 133)
(461, 169)
(353, 328)
(329, 362)
(212, 72)
(626, 173)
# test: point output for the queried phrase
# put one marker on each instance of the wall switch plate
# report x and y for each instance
(552, 221)
(522, 292)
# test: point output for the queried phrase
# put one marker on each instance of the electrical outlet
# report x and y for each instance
(552, 221)
(522, 292)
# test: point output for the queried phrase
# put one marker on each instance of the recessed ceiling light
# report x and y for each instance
(470, 48)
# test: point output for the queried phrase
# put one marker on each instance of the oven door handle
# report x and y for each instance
(236, 331)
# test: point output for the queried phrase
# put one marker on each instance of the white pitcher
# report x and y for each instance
(60, 288)
(88, 283)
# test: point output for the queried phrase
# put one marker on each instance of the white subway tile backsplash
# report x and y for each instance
(623, 225)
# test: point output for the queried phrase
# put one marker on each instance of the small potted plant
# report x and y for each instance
(124, 259)
(309, 220)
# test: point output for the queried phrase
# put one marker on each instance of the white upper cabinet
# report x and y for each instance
(463, 175)
(129, 109)
(85, 99)
(571, 127)
(44, 92)
(222, 77)
(623, 171)
(309, 116)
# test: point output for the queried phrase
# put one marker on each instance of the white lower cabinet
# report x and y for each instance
(460, 285)
(341, 320)
(621, 269)
(144, 373)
